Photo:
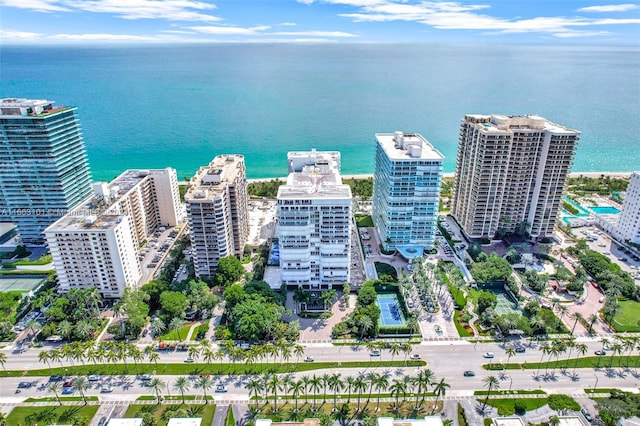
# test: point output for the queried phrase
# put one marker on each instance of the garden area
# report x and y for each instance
(161, 414)
(46, 415)
(627, 317)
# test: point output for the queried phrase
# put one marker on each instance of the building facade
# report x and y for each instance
(511, 174)
(314, 222)
(97, 243)
(406, 190)
(628, 228)
(217, 212)
(44, 171)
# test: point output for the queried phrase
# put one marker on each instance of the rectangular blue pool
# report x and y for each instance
(604, 210)
(390, 312)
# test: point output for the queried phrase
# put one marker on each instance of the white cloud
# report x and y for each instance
(210, 29)
(286, 24)
(610, 8)
(11, 35)
(457, 16)
(314, 34)
(172, 10)
(37, 5)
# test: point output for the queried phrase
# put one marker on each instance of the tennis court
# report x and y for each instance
(505, 304)
(390, 312)
(23, 284)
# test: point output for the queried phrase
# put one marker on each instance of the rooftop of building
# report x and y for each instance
(408, 146)
(211, 180)
(497, 123)
(299, 159)
(14, 107)
(315, 182)
(185, 421)
(427, 421)
(98, 212)
(508, 421)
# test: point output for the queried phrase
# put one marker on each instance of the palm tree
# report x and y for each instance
(3, 419)
(44, 356)
(381, 382)
(359, 385)
(175, 325)
(298, 351)
(314, 385)
(274, 384)
(616, 349)
(492, 383)
(335, 384)
(423, 380)
(182, 384)
(324, 379)
(406, 347)
(394, 349)
(157, 327)
(33, 327)
(440, 390)
(582, 350)
(297, 387)
(545, 349)
(55, 387)
(194, 352)
(81, 384)
(510, 351)
(577, 316)
(364, 323)
(254, 386)
(630, 344)
(205, 383)
(592, 320)
(349, 380)
(396, 389)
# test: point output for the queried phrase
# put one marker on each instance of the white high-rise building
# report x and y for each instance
(511, 174)
(217, 211)
(97, 243)
(44, 171)
(314, 222)
(628, 228)
(406, 191)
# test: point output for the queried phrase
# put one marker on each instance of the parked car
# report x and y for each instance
(67, 391)
(469, 373)
(488, 355)
(68, 384)
(55, 378)
(221, 388)
(146, 377)
(520, 349)
(93, 377)
(106, 389)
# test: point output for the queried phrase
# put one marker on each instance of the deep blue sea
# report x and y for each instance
(179, 106)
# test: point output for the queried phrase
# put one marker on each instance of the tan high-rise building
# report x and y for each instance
(217, 212)
(511, 174)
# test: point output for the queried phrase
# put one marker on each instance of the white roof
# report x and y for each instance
(508, 421)
(185, 421)
(427, 421)
(125, 422)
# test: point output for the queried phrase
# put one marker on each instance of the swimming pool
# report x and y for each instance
(390, 312)
(604, 210)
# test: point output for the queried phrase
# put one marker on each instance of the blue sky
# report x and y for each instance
(308, 21)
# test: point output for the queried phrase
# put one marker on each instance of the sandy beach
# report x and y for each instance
(619, 175)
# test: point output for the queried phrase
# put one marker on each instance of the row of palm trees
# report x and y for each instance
(272, 387)
(619, 346)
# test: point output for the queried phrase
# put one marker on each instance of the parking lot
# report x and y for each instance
(601, 242)
(154, 252)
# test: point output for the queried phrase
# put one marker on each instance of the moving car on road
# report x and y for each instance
(469, 373)
(308, 359)
(416, 356)
(488, 355)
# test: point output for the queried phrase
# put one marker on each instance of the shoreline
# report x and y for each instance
(618, 175)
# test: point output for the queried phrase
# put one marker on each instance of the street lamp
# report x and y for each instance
(510, 382)
(596, 385)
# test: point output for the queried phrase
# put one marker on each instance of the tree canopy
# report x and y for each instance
(493, 269)
(229, 270)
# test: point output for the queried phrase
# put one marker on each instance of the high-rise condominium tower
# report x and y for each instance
(97, 243)
(217, 212)
(314, 222)
(628, 228)
(406, 190)
(44, 170)
(511, 173)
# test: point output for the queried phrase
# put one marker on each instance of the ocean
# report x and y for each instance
(181, 105)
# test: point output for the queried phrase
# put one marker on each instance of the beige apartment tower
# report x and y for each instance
(217, 212)
(511, 174)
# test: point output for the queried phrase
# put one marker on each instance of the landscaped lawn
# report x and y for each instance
(173, 335)
(506, 407)
(50, 414)
(206, 411)
(364, 221)
(627, 318)
(386, 269)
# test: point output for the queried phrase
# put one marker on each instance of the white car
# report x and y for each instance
(93, 377)
(221, 388)
(488, 355)
(415, 356)
(189, 360)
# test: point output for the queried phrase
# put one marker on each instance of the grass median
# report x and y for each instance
(587, 362)
(203, 368)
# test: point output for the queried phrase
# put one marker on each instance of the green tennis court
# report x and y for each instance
(505, 304)
(23, 284)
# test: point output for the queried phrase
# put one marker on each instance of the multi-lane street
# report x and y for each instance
(448, 360)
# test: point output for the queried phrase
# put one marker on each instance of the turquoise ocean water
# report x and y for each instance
(179, 106)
